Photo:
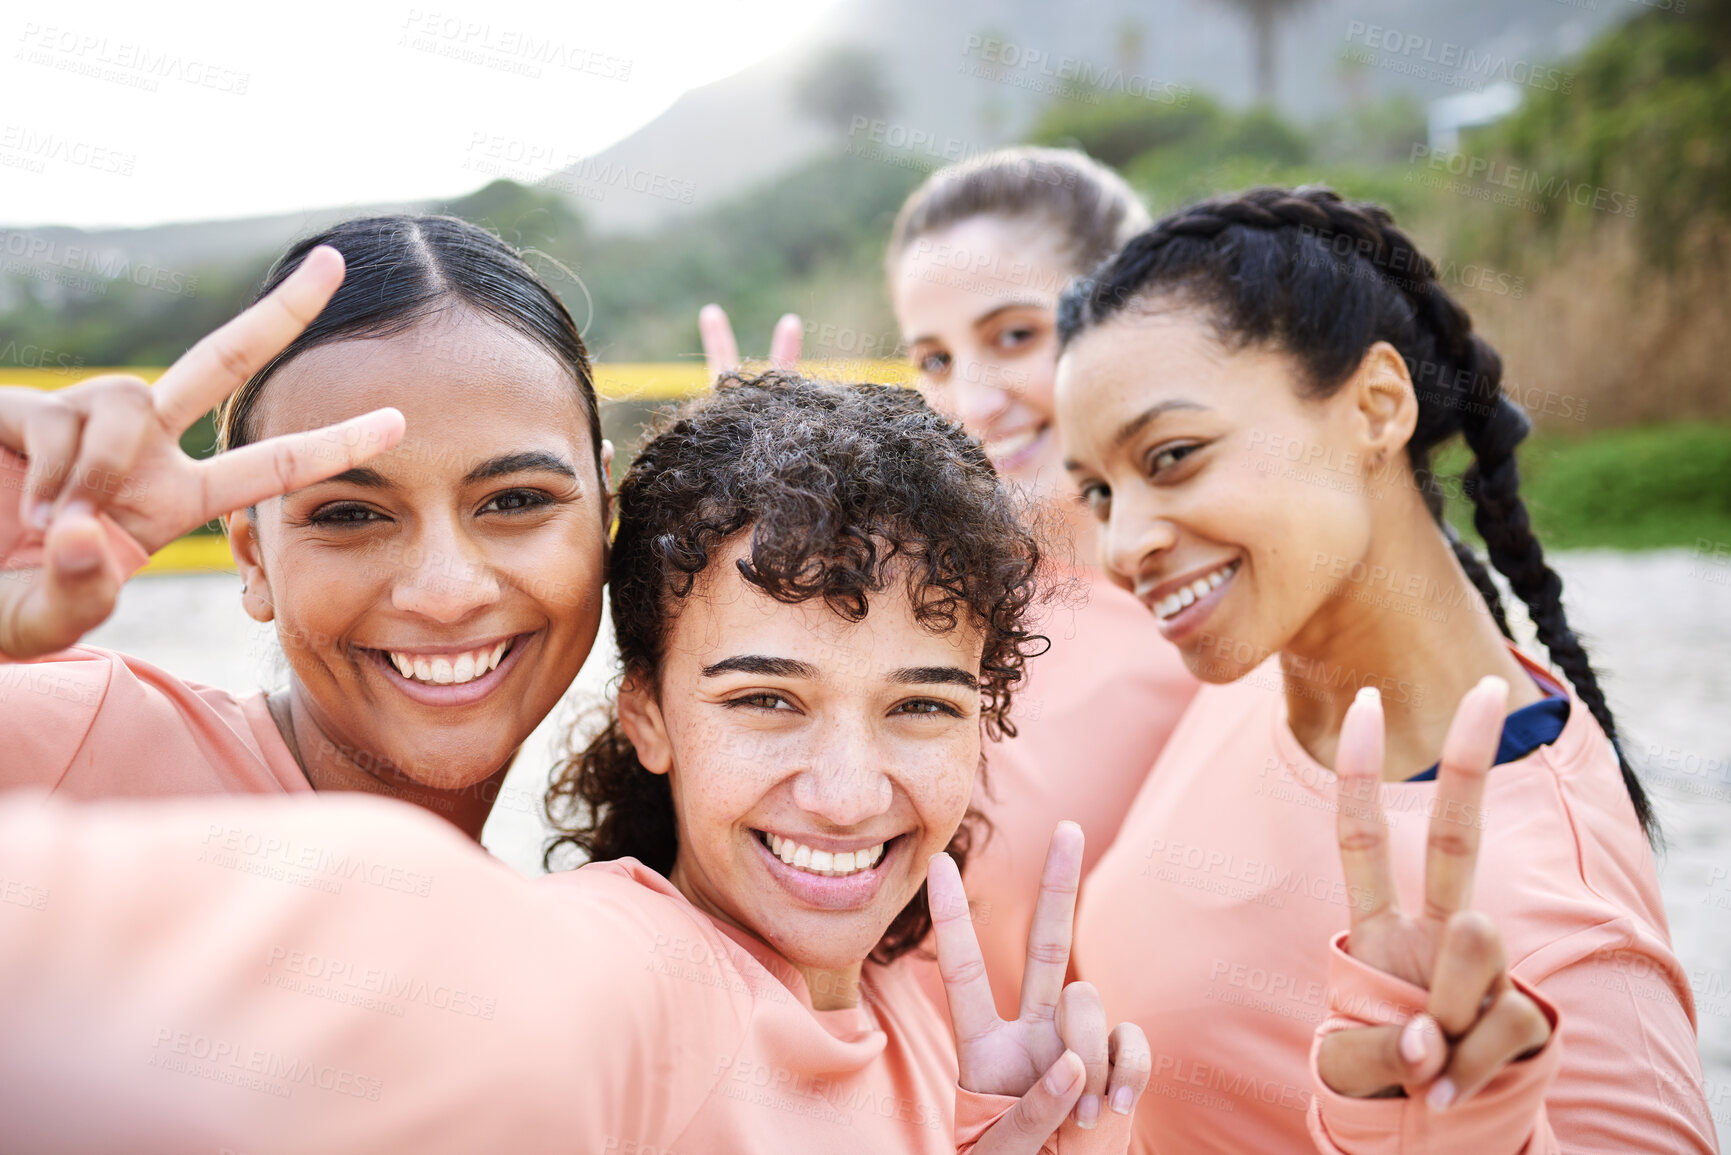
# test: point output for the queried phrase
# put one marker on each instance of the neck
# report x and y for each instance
(1405, 620)
(332, 765)
(830, 989)
(833, 990)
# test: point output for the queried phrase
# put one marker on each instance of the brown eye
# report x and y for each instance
(1168, 456)
(516, 501)
(343, 514)
(927, 706)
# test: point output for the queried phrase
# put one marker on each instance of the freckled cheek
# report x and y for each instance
(941, 788)
(723, 773)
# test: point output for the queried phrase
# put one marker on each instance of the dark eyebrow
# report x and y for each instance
(758, 664)
(369, 478)
(983, 318)
(1135, 425)
(521, 463)
(360, 475)
(935, 675)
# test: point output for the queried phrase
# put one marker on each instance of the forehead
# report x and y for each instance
(1144, 357)
(725, 615)
(456, 376)
(969, 268)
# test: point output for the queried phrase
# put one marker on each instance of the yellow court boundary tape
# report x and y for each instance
(621, 381)
(641, 381)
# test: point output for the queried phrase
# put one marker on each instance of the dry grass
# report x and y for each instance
(1599, 338)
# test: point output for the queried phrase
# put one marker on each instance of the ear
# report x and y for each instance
(1381, 390)
(607, 486)
(640, 718)
(255, 596)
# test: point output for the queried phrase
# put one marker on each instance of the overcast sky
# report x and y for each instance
(131, 113)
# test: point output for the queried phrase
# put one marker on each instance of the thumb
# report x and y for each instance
(73, 591)
(1024, 1128)
(1360, 1062)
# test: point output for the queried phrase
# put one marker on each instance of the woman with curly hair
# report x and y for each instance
(976, 259)
(1251, 392)
(820, 593)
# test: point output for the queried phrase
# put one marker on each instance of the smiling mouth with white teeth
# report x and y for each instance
(1169, 605)
(449, 669)
(822, 862)
(1011, 445)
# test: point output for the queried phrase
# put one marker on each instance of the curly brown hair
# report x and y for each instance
(844, 489)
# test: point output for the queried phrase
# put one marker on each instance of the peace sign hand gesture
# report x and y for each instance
(1476, 1022)
(721, 349)
(1057, 1054)
(112, 445)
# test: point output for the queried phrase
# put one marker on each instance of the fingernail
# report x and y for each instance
(78, 556)
(1063, 1074)
(1122, 1100)
(1088, 1112)
(1442, 1093)
(39, 514)
(78, 507)
(1412, 1039)
(1369, 694)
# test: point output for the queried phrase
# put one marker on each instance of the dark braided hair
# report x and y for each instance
(1322, 279)
(841, 490)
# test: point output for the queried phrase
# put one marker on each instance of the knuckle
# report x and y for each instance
(1051, 953)
(1473, 937)
(1451, 844)
(966, 971)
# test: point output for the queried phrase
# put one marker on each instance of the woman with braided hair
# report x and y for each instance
(1250, 393)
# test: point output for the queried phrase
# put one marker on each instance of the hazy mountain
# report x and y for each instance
(967, 75)
(962, 76)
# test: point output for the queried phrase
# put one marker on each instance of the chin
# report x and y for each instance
(831, 947)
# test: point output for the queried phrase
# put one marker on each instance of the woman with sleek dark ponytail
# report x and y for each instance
(1250, 393)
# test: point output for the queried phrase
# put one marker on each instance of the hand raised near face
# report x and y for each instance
(1476, 1022)
(721, 350)
(111, 445)
(1070, 1070)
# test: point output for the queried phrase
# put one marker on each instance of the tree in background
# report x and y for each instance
(1264, 14)
(841, 84)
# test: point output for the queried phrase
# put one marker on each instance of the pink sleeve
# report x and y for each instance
(976, 1114)
(1505, 1117)
(1630, 1075)
(336, 975)
(21, 546)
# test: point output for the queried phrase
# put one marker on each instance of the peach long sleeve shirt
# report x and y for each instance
(351, 975)
(1215, 921)
(1091, 719)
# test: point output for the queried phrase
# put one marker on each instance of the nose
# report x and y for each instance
(1135, 534)
(979, 394)
(845, 784)
(442, 576)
